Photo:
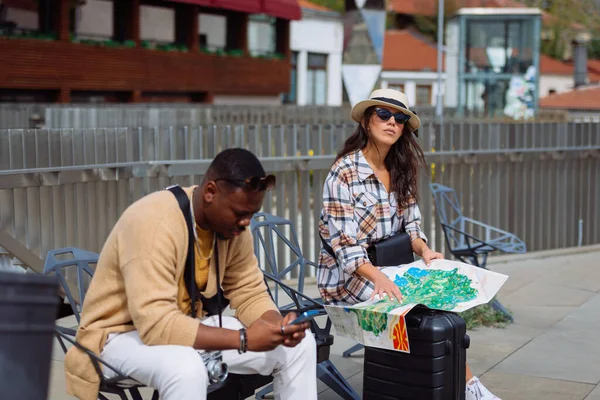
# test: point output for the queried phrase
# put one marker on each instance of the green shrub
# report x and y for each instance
(484, 315)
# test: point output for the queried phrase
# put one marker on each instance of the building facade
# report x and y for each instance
(316, 44)
(410, 65)
(558, 76)
(144, 51)
(492, 57)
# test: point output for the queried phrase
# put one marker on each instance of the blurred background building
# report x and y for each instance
(257, 52)
(146, 51)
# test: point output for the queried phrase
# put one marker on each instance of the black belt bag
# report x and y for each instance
(391, 251)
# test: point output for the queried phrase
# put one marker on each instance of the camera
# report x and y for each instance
(217, 369)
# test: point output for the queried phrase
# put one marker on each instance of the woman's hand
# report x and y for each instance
(429, 255)
(384, 285)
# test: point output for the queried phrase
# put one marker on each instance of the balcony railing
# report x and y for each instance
(63, 65)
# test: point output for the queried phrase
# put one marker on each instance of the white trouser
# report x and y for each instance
(179, 373)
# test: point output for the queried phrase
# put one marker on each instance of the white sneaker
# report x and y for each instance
(476, 391)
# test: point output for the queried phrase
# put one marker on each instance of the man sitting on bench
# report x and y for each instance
(139, 314)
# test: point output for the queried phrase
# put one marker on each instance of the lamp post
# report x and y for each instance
(439, 106)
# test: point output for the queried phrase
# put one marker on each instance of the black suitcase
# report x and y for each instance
(433, 370)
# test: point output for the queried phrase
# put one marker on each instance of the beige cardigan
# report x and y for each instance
(136, 280)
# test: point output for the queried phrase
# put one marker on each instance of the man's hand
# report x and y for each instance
(264, 335)
(429, 255)
(295, 337)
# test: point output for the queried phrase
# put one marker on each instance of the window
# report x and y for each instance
(316, 79)
(486, 96)
(500, 46)
(90, 96)
(28, 96)
(423, 95)
(261, 35)
(290, 98)
(399, 87)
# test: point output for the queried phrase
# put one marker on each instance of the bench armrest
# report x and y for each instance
(472, 242)
(300, 300)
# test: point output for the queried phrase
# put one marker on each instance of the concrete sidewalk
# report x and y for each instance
(550, 352)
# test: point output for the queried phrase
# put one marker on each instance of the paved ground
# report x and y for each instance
(551, 352)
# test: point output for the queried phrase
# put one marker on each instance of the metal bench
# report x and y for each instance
(470, 240)
(71, 262)
(268, 233)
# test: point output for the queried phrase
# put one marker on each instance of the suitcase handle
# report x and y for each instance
(415, 320)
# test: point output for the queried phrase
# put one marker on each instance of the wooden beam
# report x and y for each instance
(237, 31)
(135, 96)
(62, 17)
(126, 20)
(64, 96)
(45, 16)
(186, 26)
(282, 37)
(20, 251)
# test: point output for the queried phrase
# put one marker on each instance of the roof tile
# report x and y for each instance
(587, 98)
(407, 50)
(313, 6)
(428, 8)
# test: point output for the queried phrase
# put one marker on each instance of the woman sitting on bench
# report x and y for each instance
(369, 194)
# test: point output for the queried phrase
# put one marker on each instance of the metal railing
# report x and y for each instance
(68, 187)
(17, 115)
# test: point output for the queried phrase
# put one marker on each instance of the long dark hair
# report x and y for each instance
(402, 161)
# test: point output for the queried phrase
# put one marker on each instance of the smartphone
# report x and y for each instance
(305, 317)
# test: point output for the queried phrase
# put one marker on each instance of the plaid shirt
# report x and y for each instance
(356, 211)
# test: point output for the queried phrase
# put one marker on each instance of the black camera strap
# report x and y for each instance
(189, 274)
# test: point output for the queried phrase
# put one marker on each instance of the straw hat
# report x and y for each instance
(389, 98)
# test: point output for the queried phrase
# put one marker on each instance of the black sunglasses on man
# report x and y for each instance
(253, 184)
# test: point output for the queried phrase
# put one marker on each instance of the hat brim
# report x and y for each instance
(359, 110)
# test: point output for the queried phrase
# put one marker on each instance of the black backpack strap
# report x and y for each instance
(327, 247)
(190, 263)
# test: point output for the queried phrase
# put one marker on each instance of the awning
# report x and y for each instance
(195, 2)
(286, 9)
(246, 6)
(30, 5)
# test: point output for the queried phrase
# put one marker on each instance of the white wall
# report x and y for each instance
(23, 18)
(452, 44)
(324, 36)
(334, 80)
(317, 35)
(215, 29)
(409, 80)
(95, 18)
(560, 83)
(157, 24)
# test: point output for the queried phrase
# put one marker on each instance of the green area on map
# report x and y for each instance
(437, 289)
